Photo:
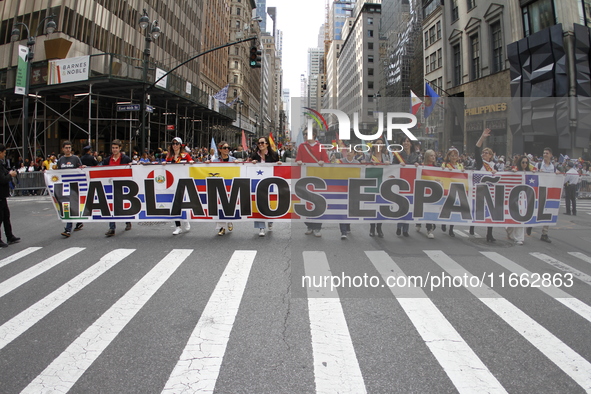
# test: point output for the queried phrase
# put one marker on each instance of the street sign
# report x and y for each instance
(133, 107)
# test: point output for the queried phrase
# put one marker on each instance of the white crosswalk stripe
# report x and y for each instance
(26, 319)
(562, 355)
(199, 365)
(335, 363)
(446, 344)
(67, 368)
(563, 267)
(336, 369)
(10, 284)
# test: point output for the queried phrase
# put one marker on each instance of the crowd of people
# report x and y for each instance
(311, 151)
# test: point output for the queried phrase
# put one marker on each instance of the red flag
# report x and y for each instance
(244, 146)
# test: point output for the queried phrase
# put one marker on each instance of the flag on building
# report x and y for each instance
(222, 95)
(431, 98)
(415, 103)
(231, 103)
(272, 141)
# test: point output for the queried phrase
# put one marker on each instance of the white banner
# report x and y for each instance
(68, 70)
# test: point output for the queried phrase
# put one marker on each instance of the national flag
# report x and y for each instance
(222, 95)
(509, 180)
(431, 98)
(272, 141)
(214, 150)
(561, 158)
(243, 142)
(300, 138)
(415, 103)
(231, 103)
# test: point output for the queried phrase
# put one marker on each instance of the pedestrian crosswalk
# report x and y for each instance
(460, 312)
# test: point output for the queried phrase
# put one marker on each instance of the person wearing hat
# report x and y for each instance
(176, 154)
(571, 180)
(87, 158)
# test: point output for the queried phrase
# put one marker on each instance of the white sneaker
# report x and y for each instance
(518, 242)
(261, 232)
(309, 231)
(270, 226)
(343, 236)
(317, 233)
(177, 231)
(430, 235)
(418, 228)
(186, 226)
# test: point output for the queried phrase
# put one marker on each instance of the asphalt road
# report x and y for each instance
(146, 311)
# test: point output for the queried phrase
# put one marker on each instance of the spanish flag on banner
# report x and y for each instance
(272, 141)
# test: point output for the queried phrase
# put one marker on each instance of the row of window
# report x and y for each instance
(433, 34)
(433, 61)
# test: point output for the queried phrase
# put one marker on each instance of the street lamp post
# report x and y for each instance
(14, 36)
(240, 103)
(152, 32)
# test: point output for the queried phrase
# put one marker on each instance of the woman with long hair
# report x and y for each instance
(451, 162)
(223, 157)
(177, 154)
(408, 156)
(264, 153)
(429, 160)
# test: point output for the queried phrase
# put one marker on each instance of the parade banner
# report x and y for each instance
(331, 193)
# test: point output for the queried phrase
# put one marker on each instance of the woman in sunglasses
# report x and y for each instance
(177, 154)
(223, 157)
(264, 153)
(452, 162)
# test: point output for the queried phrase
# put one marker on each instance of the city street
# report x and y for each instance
(146, 311)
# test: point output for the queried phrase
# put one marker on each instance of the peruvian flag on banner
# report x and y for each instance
(415, 103)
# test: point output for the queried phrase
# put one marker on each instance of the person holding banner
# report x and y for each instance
(484, 162)
(68, 160)
(223, 157)
(517, 234)
(264, 153)
(451, 162)
(408, 155)
(430, 160)
(311, 152)
(116, 159)
(378, 154)
(176, 154)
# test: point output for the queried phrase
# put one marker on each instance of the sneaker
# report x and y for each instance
(471, 230)
(518, 242)
(418, 228)
(78, 226)
(317, 233)
(110, 233)
(66, 233)
(406, 234)
(398, 231)
(261, 232)
(343, 236)
(270, 226)
(186, 226)
(177, 231)
(3, 244)
(310, 231)
(230, 226)
(128, 227)
(430, 235)
(545, 238)
(13, 240)
(528, 231)
(222, 231)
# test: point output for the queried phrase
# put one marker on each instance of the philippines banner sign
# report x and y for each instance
(330, 193)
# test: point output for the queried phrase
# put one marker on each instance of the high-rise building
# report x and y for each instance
(262, 13)
(315, 77)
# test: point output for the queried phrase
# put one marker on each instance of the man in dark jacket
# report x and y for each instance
(5, 177)
(116, 159)
(87, 158)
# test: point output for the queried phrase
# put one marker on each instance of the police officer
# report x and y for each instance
(5, 178)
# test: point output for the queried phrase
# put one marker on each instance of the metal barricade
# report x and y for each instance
(585, 187)
(30, 181)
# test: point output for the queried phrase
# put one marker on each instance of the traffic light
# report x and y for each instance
(255, 57)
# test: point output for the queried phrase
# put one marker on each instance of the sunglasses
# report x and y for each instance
(262, 142)
(225, 147)
(524, 162)
(176, 143)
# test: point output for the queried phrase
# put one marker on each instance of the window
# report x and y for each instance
(370, 84)
(370, 33)
(439, 58)
(538, 16)
(471, 4)
(238, 25)
(426, 39)
(370, 21)
(369, 45)
(454, 10)
(438, 26)
(235, 93)
(236, 64)
(432, 34)
(235, 78)
(433, 61)
(370, 71)
(475, 54)
(427, 69)
(237, 10)
(370, 58)
(497, 47)
(457, 65)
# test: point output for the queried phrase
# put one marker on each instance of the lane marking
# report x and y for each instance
(563, 267)
(336, 368)
(460, 363)
(17, 256)
(18, 280)
(13, 328)
(198, 367)
(581, 256)
(557, 351)
(68, 367)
